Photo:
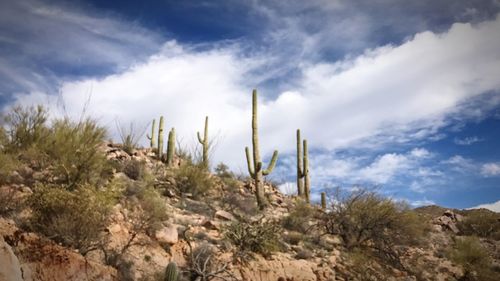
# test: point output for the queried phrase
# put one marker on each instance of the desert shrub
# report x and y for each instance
(294, 237)
(147, 212)
(193, 179)
(25, 126)
(240, 204)
(473, 257)
(260, 236)
(73, 148)
(134, 169)
(300, 216)
(222, 171)
(481, 223)
(9, 202)
(366, 220)
(73, 218)
(129, 136)
(304, 254)
(8, 164)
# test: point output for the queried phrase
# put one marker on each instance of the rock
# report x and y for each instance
(10, 269)
(209, 224)
(223, 215)
(167, 235)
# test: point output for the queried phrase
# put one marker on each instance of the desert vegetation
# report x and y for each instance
(159, 213)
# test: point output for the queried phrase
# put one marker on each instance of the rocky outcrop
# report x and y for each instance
(10, 269)
(41, 259)
(448, 221)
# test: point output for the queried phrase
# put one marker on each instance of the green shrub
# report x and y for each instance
(73, 150)
(482, 223)
(73, 218)
(260, 236)
(26, 126)
(134, 169)
(373, 224)
(300, 216)
(473, 257)
(8, 164)
(193, 179)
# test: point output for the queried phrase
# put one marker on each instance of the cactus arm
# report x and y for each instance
(200, 140)
(251, 170)
(271, 164)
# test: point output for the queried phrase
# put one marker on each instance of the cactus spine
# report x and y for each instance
(255, 168)
(152, 137)
(160, 138)
(307, 183)
(171, 273)
(171, 147)
(303, 180)
(300, 170)
(204, 142)
(323, 200)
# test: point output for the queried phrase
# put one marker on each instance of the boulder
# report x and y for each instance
(10, 269)
(223, 215)
(167, 235)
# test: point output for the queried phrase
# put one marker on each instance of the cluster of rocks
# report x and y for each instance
(448, 221)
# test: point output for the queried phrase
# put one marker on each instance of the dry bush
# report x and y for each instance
(473, 257)
(134, 169)
(482, 223)
(73, 150)
(366, 220)
(260, 236)
(194, 179)
(300, 216)
(8, 164)
(9, 202)
(25, 126)
(73, 218)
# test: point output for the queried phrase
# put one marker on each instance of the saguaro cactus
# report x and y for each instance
(255, 167)
(152, 137)
(160, 138)
(300, 170)
(171, 147)
(171, 273)
(204, 142)
(307, 183)
(303, 180)
(323, 200)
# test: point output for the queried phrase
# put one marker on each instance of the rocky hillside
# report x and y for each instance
(75, 208)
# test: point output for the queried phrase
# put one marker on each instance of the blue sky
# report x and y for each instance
(402, 96)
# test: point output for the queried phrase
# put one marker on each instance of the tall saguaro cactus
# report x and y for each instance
(160, 138)
(171, 147)
(303, 180)
(204, 142)
(255, 167)
(300, 170)
(323, 201)
(307, 183)
(152, 137)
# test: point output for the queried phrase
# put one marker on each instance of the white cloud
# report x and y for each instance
(495, 207)
(391, 91)
(490, 169)
(467, 140)
(460, 164)
(423, 202)
(384, 168)
(420, 153)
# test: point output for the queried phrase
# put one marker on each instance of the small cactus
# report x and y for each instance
(171, 273)
(171, 147)
(204, 142)
(152, 137)
(255, 169)
(323, 200)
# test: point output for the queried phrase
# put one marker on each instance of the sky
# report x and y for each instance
(400, 96)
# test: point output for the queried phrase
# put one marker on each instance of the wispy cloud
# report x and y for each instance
(467, 140)
(490, 169)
